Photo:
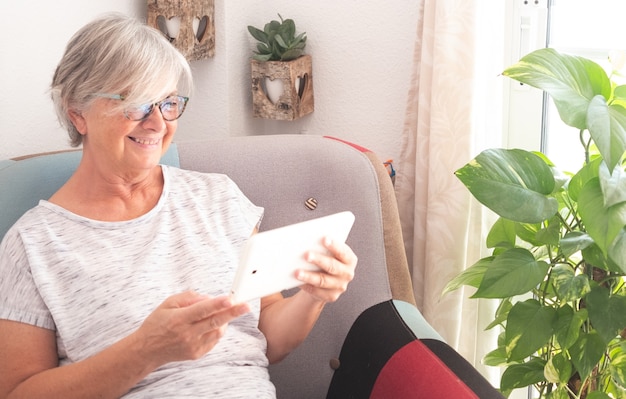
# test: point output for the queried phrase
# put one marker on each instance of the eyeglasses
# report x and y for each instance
(171, 108)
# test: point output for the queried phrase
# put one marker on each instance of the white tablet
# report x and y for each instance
(270, 259)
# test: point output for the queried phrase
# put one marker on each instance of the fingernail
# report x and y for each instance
(327, 241)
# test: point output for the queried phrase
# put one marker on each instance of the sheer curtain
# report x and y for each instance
(453, 111)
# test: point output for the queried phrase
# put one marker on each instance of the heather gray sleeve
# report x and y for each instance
(19, 297)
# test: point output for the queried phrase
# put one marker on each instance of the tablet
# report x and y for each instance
(270, 259)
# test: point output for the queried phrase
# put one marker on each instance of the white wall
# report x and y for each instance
(361, 65)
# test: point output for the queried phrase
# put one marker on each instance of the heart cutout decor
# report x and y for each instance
(161, 25)
(173, 27)
(273, 89)
(169, 27)
(300, 84)
(199, 27)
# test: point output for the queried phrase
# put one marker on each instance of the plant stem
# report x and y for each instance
(545, 285)
(570, 391)
(572, 213)
(586, 144)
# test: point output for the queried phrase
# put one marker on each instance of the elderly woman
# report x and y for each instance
(113, 287)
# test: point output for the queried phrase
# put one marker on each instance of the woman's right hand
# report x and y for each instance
(186, 326)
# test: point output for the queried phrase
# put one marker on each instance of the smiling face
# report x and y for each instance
(117, 55)
(118, 145)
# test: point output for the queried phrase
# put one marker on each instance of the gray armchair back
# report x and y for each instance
(349, 353)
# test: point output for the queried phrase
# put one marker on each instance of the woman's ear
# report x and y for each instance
(78, 121)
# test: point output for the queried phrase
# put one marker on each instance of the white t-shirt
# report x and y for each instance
(95, 282)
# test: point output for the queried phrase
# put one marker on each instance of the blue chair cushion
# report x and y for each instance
(20, 191)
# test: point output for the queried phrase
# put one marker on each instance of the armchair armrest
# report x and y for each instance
(383, 358)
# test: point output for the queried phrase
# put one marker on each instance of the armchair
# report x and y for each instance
(373, 342)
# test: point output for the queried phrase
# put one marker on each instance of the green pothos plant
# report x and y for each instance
(559, 245)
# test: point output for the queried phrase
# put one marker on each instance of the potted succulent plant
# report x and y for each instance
(559, 245)
(282, 75)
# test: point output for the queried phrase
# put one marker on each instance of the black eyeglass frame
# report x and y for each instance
(148, 108)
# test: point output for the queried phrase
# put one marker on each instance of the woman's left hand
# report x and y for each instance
(337, 271)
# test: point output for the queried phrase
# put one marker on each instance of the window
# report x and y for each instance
(523, 105)
(590, 28)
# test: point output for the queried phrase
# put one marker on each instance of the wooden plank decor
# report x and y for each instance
(188, 24)
(296, 99)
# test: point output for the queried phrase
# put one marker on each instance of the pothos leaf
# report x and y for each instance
(516, 184)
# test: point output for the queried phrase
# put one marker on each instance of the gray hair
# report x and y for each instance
(116, 54)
